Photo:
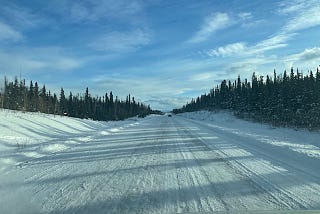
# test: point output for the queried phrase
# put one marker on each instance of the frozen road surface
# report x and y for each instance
(191, 163)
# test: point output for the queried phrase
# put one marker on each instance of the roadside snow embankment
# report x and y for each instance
(301, 141)
(32, 135)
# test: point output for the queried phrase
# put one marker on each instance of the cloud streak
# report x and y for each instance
(309, 58)
(242, 49)
(212, 24)
(273, 42)
(303, 14)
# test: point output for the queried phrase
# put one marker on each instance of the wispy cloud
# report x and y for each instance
(173, 95)
(211, 24)
(307, 19)
(309, 58)
(9, 33)
(121, 42)
(241, 49)
(173, 85)
(230, 49)
(310, 54)
(293, 6)
(273, 42)
(247, 66)
(303, 14)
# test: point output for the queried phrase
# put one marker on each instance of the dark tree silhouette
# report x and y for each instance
(286, 100)
(17, 96)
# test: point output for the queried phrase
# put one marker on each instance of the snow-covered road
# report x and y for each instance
(173, 164)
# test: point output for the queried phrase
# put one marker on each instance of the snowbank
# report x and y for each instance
(32, 135)
(301, 141)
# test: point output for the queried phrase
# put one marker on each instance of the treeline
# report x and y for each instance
(16, 95)
(284, 100)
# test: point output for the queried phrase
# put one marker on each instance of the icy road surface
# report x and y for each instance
(166, 164)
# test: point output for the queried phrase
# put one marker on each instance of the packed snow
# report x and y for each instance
(192, 162)
(33, 135)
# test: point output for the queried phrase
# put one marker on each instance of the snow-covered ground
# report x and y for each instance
(193, 162)
(24, 136)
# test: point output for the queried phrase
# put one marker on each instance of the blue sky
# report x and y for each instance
(162, 52)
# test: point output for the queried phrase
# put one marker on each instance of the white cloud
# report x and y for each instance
(303, 14)
(8, 33)
(291, 6)
(309, 54)
(247, 66)
(230, 49)
(305, 60)
(306, 19)
(294, 6)
(241, 49)
(173, 95)
(172, 81)
(212, 23)
(121, 42)
(273, 42)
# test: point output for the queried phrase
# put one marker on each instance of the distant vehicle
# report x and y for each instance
(169, 115)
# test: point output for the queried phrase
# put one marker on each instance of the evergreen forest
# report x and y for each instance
(290, 99)
(16, 95)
